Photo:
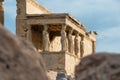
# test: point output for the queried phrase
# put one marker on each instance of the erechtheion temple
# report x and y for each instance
(61, 39)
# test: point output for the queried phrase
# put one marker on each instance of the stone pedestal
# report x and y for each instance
(60, 61)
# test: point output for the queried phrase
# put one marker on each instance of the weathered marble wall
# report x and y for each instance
(70, 62)
(60, 61)
(88, 47)
(34, 8)
(26, 7)
(36, 35)
(55, 44)
(54, 60)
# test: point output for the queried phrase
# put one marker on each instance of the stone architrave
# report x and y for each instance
(46, 41)
(77, 44)
(64, 41)
(70, 41)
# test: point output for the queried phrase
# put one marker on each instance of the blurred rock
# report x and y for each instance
(19, 60)
(99, 67)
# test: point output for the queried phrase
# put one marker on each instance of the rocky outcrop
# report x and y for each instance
(19, 60)
(99, 67)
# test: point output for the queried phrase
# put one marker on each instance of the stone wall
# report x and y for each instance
(30, 7)
(54, 44)
(36, 35)
(60, 61)
(88, 47)
(34, 8)
(26, 7)
(70, 62)
(54, 60)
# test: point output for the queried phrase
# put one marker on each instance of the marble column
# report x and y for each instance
(64, 41)
(2, 12)
(77, 44)
(70, 41)
(46, 41)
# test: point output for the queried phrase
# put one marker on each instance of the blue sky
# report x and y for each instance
(102, 16)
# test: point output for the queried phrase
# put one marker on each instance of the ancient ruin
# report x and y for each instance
(2, 12)
(61, 39)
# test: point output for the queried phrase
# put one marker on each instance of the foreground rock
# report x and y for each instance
(99, 67)
(19, 60)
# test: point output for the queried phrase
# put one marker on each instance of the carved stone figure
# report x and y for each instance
(77, 44)
(64, 41)
(70, 41)
(82, 46)
(46, 41)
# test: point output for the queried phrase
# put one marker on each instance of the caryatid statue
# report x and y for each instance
(70, 41)
(82, 46)
(46, 41)
(64, 41)
(77, 44)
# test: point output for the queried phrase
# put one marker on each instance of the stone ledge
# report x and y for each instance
(58, 61)
(60, 52)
